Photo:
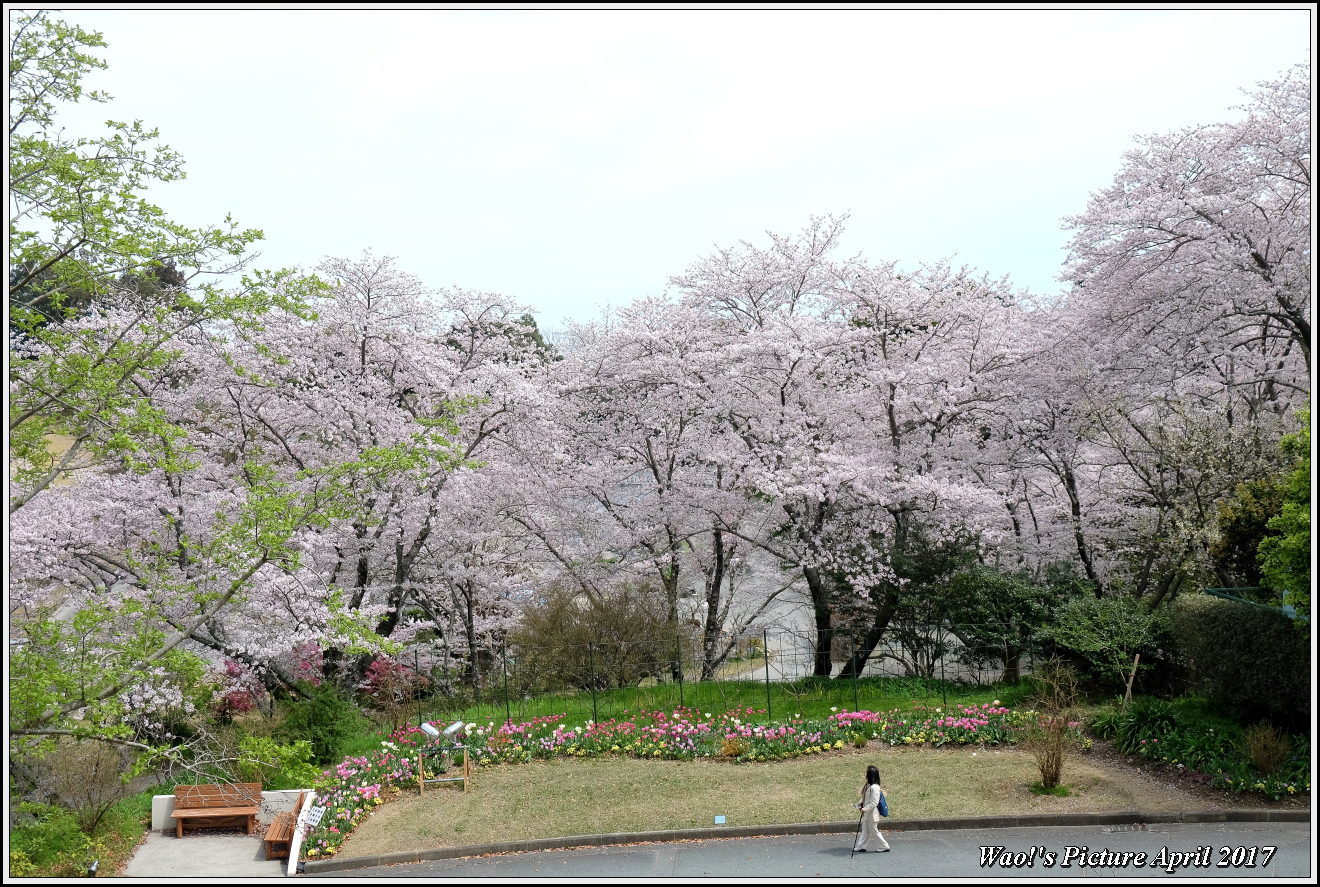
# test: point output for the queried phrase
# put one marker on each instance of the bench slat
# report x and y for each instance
(242, 794)
(213, 812)
(279, 837)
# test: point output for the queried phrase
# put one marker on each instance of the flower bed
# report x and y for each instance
(1207, 750)
(1224, 767)
(352, 789)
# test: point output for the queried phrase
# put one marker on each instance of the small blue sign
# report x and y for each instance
(719, 820)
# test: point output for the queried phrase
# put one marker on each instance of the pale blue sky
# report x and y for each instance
(572, 159)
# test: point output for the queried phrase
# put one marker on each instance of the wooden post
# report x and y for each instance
(467, 770)
(421, 772)
(1127, 696)
(678, 638)
(504, 664)
(591, 657)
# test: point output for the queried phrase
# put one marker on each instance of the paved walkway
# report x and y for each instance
(1174, 850)
(212, 856)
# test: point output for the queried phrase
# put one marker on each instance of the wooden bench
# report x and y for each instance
(279, 836)
(216, 806)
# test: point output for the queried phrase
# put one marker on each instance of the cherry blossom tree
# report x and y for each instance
(1207, 230)
(639, 408)
(418, 382)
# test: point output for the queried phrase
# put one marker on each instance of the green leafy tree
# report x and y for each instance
(107, 293)
(1242, 525)
(1105, 634)
(78, 218)
(1285, 558)
(995, 614)
(81, 234)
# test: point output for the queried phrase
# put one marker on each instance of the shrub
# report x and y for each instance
(1102, 635)
(613, 639)
(1129, 726)
(1266, 748)
(276, 766)
(1184, 735)
(392, 687)
(325, 719)
(46, 840)
(1048, 739)
(235, 693)
(1248, 659)
(734, 748)
(89, 777)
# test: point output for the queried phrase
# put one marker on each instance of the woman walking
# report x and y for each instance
(868, 836)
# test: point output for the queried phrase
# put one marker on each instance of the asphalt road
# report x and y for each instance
(1187, 851)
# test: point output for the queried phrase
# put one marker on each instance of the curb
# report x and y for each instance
(1127, 817)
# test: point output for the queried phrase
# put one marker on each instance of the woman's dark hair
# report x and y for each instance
(872, 775)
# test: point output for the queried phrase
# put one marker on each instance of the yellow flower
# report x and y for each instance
(839, 744)
(656, 753)
(614, 748)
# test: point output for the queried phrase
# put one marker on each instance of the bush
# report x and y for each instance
(1187, 736)
(1251, 660)
(1266, 748)
(325, 719)
(1048, 738)
(1131, 726)
(46, 840)
(614, 639)
(392, 687)
(276, 766)
(89, 777)
(1102, 635)
(734, 748)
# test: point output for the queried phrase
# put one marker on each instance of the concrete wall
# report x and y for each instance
(295, 846)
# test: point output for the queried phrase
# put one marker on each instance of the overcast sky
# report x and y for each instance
(572, 159)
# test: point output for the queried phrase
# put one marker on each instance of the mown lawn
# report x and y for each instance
(559, 798)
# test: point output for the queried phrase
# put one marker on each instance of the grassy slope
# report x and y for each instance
(555, 798)
(809, 697)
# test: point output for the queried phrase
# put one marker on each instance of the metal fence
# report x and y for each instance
(770, 670)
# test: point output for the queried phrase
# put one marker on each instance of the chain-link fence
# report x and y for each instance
(768, 670)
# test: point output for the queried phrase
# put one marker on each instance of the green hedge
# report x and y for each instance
(1253, 660)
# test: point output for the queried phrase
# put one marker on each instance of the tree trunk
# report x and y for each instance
(1075, 505)
(820, 607)
(710, 634)
(856, 664)
(1012, 665)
